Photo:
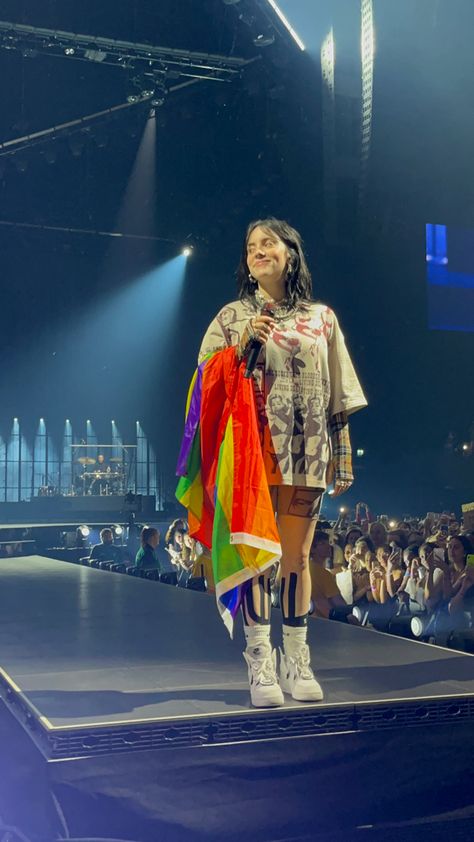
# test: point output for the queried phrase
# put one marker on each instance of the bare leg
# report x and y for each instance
(297, 517)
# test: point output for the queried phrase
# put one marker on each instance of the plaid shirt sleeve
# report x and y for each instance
(341, 447)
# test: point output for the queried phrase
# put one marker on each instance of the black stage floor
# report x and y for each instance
(95, 662)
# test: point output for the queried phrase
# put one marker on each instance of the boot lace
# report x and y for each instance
(263, 670)
(301, 659)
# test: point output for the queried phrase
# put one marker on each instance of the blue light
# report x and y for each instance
(450, 278)
(437, 244)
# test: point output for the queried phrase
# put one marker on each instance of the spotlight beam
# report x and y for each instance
(287, 24)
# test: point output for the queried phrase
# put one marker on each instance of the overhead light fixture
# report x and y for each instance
(21, 162)
(69, 51)
(187, 251)
(264, 39)
(95, 55)
(287, 24)
(49, 154)
(76, 144)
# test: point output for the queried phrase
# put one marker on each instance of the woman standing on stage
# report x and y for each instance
(305, 388)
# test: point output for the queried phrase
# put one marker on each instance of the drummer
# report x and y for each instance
(106, 479)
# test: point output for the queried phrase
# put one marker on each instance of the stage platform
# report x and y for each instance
(127, 703)
(79, 508)
(95, 663)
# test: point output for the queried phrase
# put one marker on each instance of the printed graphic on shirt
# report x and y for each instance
(304, 375)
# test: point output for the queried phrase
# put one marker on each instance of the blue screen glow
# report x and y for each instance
(450, 276)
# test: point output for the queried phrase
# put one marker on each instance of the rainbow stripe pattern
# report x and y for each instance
(222, 479)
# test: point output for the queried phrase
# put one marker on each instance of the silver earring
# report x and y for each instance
(252, 279)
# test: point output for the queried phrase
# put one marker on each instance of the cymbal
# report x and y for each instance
(86, 460)
(115, 459)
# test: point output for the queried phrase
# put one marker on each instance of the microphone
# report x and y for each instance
(255, 346)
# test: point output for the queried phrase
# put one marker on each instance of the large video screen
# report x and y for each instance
(450, 275)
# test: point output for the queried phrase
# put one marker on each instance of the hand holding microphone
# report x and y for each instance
(260, 327)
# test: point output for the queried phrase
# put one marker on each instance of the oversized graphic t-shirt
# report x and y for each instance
(304, 375)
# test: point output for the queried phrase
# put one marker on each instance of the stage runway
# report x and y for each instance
(94, 662)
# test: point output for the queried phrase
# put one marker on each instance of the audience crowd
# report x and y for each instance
(413, 577)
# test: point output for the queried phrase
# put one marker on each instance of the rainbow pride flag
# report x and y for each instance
(222, 479)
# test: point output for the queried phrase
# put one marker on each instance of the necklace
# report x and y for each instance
(281, 309)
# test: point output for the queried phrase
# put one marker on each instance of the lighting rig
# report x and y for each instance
(167, 64)
(152, 72)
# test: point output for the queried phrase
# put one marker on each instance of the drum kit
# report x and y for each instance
(102, 480)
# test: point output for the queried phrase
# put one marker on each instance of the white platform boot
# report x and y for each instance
(265, 690)
(296, 676)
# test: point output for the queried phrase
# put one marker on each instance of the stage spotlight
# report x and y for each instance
(264, 39)
(392, 524)
(342, 510)
(465, 447)
(28, 52)
(95, 55)
(358, 613)
(21, 162)
(417, 626)
(100, 137)
(77, 143)
(187, 251)
(69, 51)
(83, 531)
(118, 530)
(286, 23)
(82, 534)
(360, 452)
(49, 154)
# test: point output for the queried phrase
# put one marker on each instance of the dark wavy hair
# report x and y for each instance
(464, 540)
(298, 281)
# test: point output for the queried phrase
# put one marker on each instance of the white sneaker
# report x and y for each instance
(264, 688)
(297, 677)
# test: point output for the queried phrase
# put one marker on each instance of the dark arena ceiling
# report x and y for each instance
(100, 67)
